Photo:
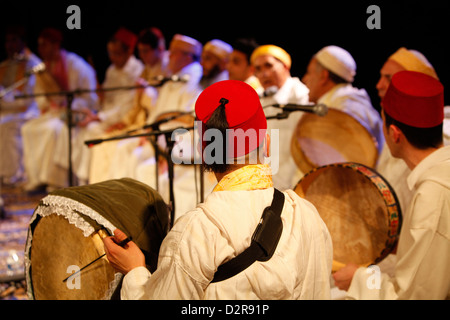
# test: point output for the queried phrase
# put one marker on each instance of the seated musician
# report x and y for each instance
(221, 227)
(413, 113)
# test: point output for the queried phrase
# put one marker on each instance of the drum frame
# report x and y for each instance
(394, 213)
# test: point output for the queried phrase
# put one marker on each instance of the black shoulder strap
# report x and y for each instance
(264, 241)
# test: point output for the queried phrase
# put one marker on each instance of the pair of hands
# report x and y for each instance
(123, 259)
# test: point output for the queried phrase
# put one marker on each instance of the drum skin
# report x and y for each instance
(66, 231)
(360, 209)
(334, 138)
(50, 262)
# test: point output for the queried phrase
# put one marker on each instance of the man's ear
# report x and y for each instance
(267, 146)
(395, 133)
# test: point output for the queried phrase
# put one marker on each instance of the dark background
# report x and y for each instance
(300, 27)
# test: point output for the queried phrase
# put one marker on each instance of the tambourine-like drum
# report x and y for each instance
(66, 231)
(336, 137)
(360, 209)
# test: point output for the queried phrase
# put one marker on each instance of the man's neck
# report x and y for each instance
(413, 156)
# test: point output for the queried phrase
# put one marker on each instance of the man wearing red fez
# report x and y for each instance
(124, 71)
(413, 113)
(221, 228)
(45, 139)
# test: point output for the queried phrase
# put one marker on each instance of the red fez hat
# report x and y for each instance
(415, 99)
(243, 110)
(127, 37)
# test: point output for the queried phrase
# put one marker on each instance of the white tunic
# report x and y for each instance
(219, 229)
(356, 102)
(13, 114)
(174, 96)
(423, 255)
(42, 137)
(114, 108)
(285, 172)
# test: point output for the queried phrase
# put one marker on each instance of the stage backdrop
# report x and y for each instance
(300, 27)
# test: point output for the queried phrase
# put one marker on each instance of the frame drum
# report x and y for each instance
(360, 209)
(66, 232)
(336, 137)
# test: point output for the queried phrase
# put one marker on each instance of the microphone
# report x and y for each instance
(19, 57)
(318, 109)
(175, 78)
(270, 91)
(40, 67)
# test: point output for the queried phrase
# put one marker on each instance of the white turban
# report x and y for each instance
(219, 48)
(338, 61)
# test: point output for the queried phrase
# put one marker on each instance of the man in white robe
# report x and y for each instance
(240, 67)
(152, 51)
(272, 67)
(394, 170)
(124, 70)
(214, 60)
(329, 77)
(221, 227)
(413, 116)
(15, 112)
(65, 71)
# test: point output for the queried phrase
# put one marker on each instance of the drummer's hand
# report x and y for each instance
(123, 259)
(343, 277)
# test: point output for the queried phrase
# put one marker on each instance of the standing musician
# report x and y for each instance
(413, 113)
(221, 227)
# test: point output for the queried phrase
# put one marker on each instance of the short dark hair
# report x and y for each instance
(150, 36)
(246, 46)
(420, 138)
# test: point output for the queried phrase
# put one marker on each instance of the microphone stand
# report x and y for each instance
(167, 155)
(3, 93)
(70, 97)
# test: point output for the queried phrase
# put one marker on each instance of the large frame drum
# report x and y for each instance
(360, 209)
(66, 231)
(334, 138)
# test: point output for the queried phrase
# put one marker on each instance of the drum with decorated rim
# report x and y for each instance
(360, 209)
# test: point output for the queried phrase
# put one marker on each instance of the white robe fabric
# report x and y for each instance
(423, 255)
(286, 174)
(44, 140)
(126, 156)
(115, 106)
(356, 102)
(221, 228)
(175, 96)
(13, 114)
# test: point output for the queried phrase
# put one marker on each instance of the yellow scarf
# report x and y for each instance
(251, 177)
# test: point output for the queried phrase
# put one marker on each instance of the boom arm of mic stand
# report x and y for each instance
(93, 142)
(279, 116)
